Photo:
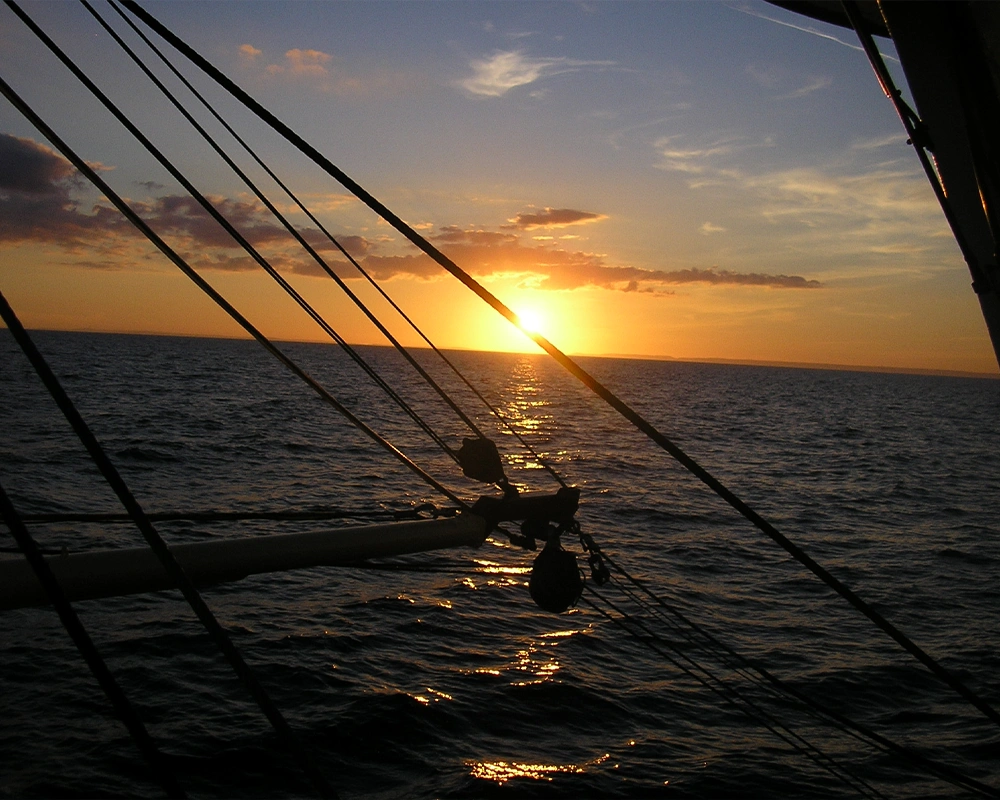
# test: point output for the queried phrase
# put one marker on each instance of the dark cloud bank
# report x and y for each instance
(37, 204)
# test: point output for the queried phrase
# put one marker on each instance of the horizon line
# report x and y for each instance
(738, 362)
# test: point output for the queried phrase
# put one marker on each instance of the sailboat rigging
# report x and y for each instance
(540, 516)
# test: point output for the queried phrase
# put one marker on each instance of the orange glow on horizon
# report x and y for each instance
(695, 322)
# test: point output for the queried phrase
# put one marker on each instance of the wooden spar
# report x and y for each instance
(109, 573)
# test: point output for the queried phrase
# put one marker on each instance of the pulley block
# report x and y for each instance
(556, 582)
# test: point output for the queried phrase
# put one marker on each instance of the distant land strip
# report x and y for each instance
(947, 373)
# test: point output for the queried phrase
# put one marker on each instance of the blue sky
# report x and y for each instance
(666, 179)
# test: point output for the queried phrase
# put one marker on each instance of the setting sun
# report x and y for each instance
(448, 347)
(739, 210)
(533, 320)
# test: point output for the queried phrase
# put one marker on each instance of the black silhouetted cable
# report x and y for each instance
(322, 228)
(229, 228)
(74, 627)
(159, 547)
(571, 366)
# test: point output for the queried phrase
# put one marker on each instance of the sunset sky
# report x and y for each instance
(659, 179)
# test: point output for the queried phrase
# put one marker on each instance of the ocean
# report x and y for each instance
(435, 675)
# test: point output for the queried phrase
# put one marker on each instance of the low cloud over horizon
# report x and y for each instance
(553, 218)
(38, 203)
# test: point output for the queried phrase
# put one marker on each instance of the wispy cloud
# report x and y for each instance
(813, 85)
(775, 79)
(321, 71)
(874, 220)
(506, 70)
(892, 140)
(313, 63)
(882, 203)
(249, 53)
(856, 206)
(680, 155)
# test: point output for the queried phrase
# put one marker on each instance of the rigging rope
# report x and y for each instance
(202, 284)
(569, 365)
(729, 694)
(122, 206)
(81, 638)
(819, 755)
(273, 209)
(226, 225)
(919, 137)
(710, 646)
(163, 553)
(727, 655)
(100, 458)
(263, 165)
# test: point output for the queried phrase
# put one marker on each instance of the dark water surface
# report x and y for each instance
(447, 681)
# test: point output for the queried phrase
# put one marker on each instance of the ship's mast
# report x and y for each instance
(949, 53)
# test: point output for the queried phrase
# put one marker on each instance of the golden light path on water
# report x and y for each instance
(526, 409)
(531, 665)
(503, 771)
(528, 666)
(434, 697)
(506, 576)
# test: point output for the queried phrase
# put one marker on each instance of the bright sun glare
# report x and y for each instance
(532, 320)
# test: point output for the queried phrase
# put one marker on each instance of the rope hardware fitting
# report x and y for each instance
(556, 580)
(537, 509)
(480, 460)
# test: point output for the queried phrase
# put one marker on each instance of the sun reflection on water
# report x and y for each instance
(494, 574)
(541, 670)
(503, 771)
(493, 568)
(432, 696)
(564, 634)
(525, 406)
